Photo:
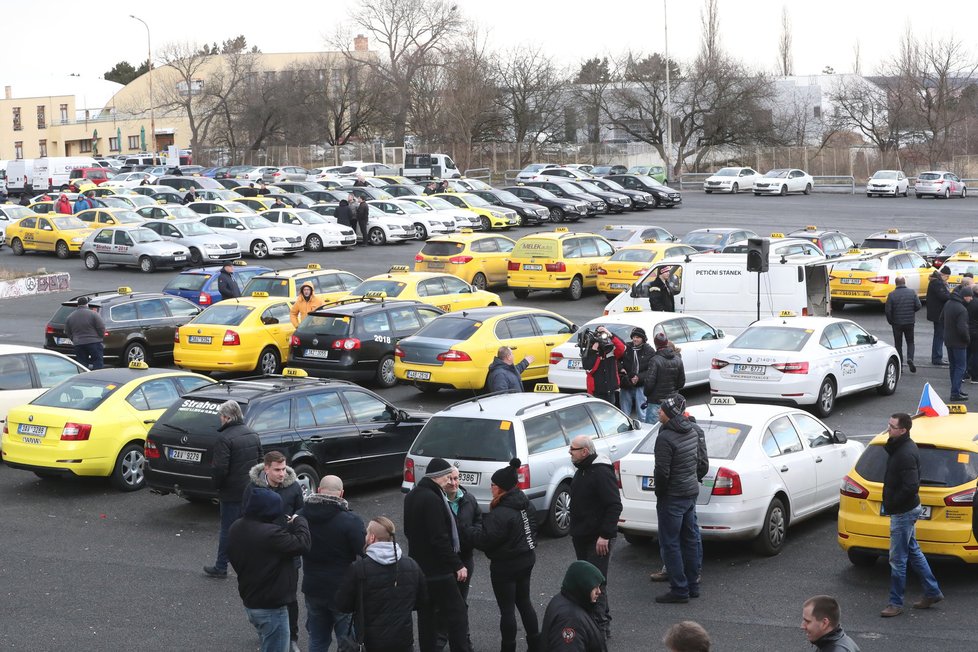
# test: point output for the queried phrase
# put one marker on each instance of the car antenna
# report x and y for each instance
(710, 410)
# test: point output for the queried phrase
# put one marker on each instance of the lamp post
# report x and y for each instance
(149, 63)
(668, 107)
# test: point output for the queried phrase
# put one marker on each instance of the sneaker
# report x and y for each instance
(659, 576)
(913, 367)
(973, 381)
(927, 602)
(958, 397)
(891, 611)
(671, 598)
(215, 572)
(964, 394)
(940, 363)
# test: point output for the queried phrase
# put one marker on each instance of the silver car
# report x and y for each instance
(201, 240)
(939, 184)
(132, 246)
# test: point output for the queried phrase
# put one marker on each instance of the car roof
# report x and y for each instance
(799, 322)
(886, 235)
(748, 413)
(106, 297)
(488, 312)
(244, 390)
(718, 229)
(555, 235)
(512, 406)
(296, 272)
(6, 349)
(357, 305)
(956, 430)
(124, 375)
(466, 237)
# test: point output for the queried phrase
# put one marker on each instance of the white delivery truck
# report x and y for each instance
(3, 175)
(52, 172)
(20, 177)
(429, 166)
(719, 288)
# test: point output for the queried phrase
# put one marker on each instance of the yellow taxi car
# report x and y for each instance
(963, 262)
(91, 190)
(110, 216)
(455, 350)
(243, 334)
(94, 424)
(869, 275)
(630, 263)
(62, 234)
(557, 260)
(43, 207)
(491, 217)
(477, 258)
(328, 284)
(948, 470)
(258, 204)
(443, 291)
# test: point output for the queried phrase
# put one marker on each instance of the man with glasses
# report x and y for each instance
(901, 502)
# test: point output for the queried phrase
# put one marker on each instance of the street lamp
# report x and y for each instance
(149, 62)
(668, 107)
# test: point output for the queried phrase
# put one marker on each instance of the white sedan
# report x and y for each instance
(888, 182)
(770, 467)
(129, 179)
(783, 181)
(464, 217)
(805, 361)
(319, 232)
(28, 372)
(698, 341)
(731, 180)
(426, 223)
(256, 235)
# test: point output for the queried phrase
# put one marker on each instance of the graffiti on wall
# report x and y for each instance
(31, 285)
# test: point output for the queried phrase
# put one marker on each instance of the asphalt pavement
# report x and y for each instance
(86, 568)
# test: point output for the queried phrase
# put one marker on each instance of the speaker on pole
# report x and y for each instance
(758, 250)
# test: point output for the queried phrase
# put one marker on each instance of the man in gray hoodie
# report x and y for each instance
(86, 330)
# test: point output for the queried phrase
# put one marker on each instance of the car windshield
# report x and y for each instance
(185, 281)
(506, 196)
(311, 217)
(702, 238)
(332, 325)
(885, 174)
(543, 193)
(929, 176)
(78, 394)
(145, 235)
(608, 184)
(956, 247)
(17, 212)
(463, 438)
(723, 439)
(223, 314)
(633, 256)
(475, 200)
(569, 188)
(588, 186)
(255, 222)
(239, 208)
(880, 243)
(601, 169)
(772, 338)
(962, 267)
(871, 265)
(65, 223)
(939, 467)
(196, 228)
(618, 234)
(182, 213)
(478, 184)
(777, 174)
(140, 200)
(127, 217)
(114, 201)
(391, 287)
(534, 167)
(410, 207)
(449, 328)
(727, 172)
(275, 286)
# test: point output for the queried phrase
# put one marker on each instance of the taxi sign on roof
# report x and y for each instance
(787, 313)
(777, 235)
(963, 254)
(240, 263)
(545, 387)
(893, 230)
(854, 250)
(722, 400)
(632, 309)
(260, 295)
(609, 227)
(138, 364)
(811, 227)
(398, 268)
(125, 290)
(561, 229)
(375, 295)
(650, 241)
(314, 266)
(957, 408)
(294, 372)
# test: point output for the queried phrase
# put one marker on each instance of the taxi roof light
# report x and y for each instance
(138, 364)
(376, 294)
(398, 269)
(314, 266)
(545, 387)
(893, 230)
(260, 295)
(811, 227)
(650, 241)
(957, 408)
(787, 313)
(239, 262)
(561, 229)
(294, 372)
(125, 290)
(722, 400)
(777, 234)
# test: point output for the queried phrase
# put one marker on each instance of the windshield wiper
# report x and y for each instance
(173, 427)
(933, 483)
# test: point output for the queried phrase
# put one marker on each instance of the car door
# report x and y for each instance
(614, 429)
(838, 357)
(832, 460)
(702, 345)
(278, 325)
(461, 293)
(180, 312)
(793, 463)
(553, 332)
(384, 440)
(45, 235)
(918, 273)
(871, 358)
(273, 421)
(156, 326)
(520, 334)
(122, 244)
(498, 261)
(150, 399)
(595, 252)
(324, 429)
(17, 386)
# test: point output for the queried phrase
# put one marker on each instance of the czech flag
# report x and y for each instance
(931, 404)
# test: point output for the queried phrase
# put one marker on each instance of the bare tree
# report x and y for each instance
(185, 69)
(874, 110)
(532, 99)
(710, 36)
(857, 59)
(785, 63)
(590, 88)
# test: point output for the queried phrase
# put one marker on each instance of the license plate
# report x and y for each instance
(852, 293)
(467, 477)
(199, 339)
(179, 258)
(185, 456)
(63, 341)
(648, 483)
(924, 513)
(752, 369)
(419, 375)
(27, 429)
(851, 281)
(573, 364)
(436, 265)
(316, 353)
(533, 268)
(620, 286)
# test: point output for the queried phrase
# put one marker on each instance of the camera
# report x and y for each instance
(587, 338)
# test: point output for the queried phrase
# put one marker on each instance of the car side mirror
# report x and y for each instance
(636, 424)
(720, 334)
(940, 249)
(872, 339)
(839, 437)
(240, 227)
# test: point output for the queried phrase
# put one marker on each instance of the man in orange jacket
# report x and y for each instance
(306, 302)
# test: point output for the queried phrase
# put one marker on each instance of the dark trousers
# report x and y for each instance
(294, 620)
(441, 638)
(957, 358)
(611, 397)
(362, 223)
(937, 346)
(903, 332)
(445, 602)
(679, 543)
(973, 355)
(229, 514)
(584, 549)
(90, 355)
(512, 591)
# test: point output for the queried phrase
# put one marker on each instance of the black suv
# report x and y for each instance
(323, 427)
(530, 213)
(663, 194)
(354, 339)
(139, 326)
(561, 210)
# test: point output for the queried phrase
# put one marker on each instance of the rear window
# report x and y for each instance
(223, 315)
(335, 325)
(618, 235)
(633, 256)
(276, 287)
(449, 328)
(62, 314)
(939, 467)
(462, 438)
(857, 265)
(772, 338)
(192, 282)
(192, 415)
(880, 243)
(442, 248)
(723, 439)
(391, 287)
(529, 248)
(962, 267)
(929, 176)
(78, 394)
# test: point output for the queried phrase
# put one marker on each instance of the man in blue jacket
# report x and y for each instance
(504, 374)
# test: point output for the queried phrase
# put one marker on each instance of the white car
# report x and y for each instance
(319, 232)
(204, 244)
(888, 182)
(383, 228)
(168, 212)
(698, 341)
(770, 467)
(779, 246)
(426, 223)
(256, 235)
(622, 235)
(782, 181)
(731, 180)
(28, 372)
(939, 184)
(129, 179)
(805, 361)
(320, 174)
(464, 217)
(212, 194)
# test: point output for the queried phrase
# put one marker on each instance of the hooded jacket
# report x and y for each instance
(901, 480)
(84, 326)
(955, 318)
(81, 204)
(337, 541)
(836, 641)
(506, 377)
(343, 214)
(428, 523)
(568, 625)
(290, 491)
(666, 375)
(602, 370)
(636, 362)
(303, 306)
(227, 286)
(901, 306)
(595, 499)
(680, 459)
(508, 534)
(63, 205)
(262, 550)
(237, 449)
(938, 294)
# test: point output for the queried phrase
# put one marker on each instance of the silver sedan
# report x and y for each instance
(202, 241)
(133, 246)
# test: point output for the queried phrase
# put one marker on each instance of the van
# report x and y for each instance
(20, 176)
(719, 288)
(430, 166)
(53, 172)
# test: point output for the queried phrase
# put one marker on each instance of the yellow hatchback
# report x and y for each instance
(557, 260)
(491, 217)
(869, 275)
(477, 258)
(94, 424)
(62, 234)
(328, 284)
(444, 291)
(244, 334)
(110, 217)
(631, 263)
(948, 471)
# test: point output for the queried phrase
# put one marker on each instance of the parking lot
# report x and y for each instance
(86, 568)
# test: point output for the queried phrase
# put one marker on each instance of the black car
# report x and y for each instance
(618, 202)
(832, 242)
(354, 339)
(323, 427)
(367, 192)
(601, 170)
(326, 196)
(530, 213)
(561, 210)
(640, 198)
(166, 193)
(664, 195)
(139, 326)
(566, 190)
(403, 189)
(231, 183)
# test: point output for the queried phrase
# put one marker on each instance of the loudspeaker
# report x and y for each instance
(758, 250)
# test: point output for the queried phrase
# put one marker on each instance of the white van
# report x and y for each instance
(719, 288)
(420, 166)
(53, 172)
(20, 174)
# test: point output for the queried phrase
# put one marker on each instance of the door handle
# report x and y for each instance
(818, 459)
(513, 348)
(367, 435)
(317, 439)
(784, 469)
(548, 343)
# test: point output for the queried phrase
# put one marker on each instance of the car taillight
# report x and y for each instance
(791, 367)
(879, 279)
(419, 258)
(556, 357)
(176, 335)
(76, 431)
(556, 267)
(294, 341)
(408, 469)
(960, 499)
(602, 271)
(850, 487)
(150, 451)
(452, 355)
(641, 272)
(347, 344)
(460, 260)
(398, 352)
(49, 330)
(231, 338)
(523, 477)
(804, 312)
(513, 267)
(727, 483)
(617, 466)
(204, 299)
(832, 277)
(718, 363)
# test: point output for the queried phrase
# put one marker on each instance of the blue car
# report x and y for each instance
(199, 284)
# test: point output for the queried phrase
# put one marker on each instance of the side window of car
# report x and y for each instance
(277, 314)
(15, 373)
(44, 225)
(376, 323)
(576, 421)
(327, 409)
(674, 331)
(28, 222)
(550, 325)
(179, 307)
(151, 309)
(122, 239)
(785, 436)
(543, 433)
(833, 337)
(610, 421)
(104, 237)
(485, 246)
(190, 383)
(431, 287)
(572, 248)
(157, 394)
(231, 223)
(455, 285)
(899, 261)
(277, 416)
(604, 249)
(50, 369)
(124, 312)
(520, 327)
(504, 245)
(917, 261)
(589, 248)
(814, 432)
(404, 320)
(856, 335)
(699, 330)
(366, 408)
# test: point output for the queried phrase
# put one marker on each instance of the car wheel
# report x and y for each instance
(135, 352)
(808, 188)
(891, 376)
(918, 196)
(485, 224)
(773, 531)
(385, 372)
(480, 282)
(519, 221)
(709, 192)
(259, 249)
(268, 362)
(307, 478)
(61, 249)
(637, 539)
(147, 265)
(521, 294)
(195, 257)
(558, 514)
(376, 236)
(734, 189)
(17, 247)
(654, 203)
(837, 306)
(964, 193)
(947, 193)
(825, 398)
(784, 191)
(91, 261)
(576, 289)
(314, 243)
(556, 215)
(129, 472)
(860, 558)
(427, 388)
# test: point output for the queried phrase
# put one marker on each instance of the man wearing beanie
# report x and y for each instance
(635, 364)
(665, 376)
(938, 294)
(601, 366)
(568, 623)
(956, 337)
(433, 542)
(680, 463)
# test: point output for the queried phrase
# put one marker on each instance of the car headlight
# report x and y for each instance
(276, 238)
(210, 245)
(613, 200)
(73, 240)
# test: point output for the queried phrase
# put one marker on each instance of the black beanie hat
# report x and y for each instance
(506, 478)
(640, 332)
(437, 468)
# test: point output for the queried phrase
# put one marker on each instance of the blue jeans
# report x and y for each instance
(631, 398)
(90, 355)
(322, 621)
(904, 549)
(937, 346)
(679, 542)
(272, 626)
(652, 413)
(229, 514)
(958, 360)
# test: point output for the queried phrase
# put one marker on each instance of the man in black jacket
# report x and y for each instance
(505, 374)
(237, 449)
(467, 514)
(901, 502)
(938, 294)
(820, 616)
(665, 376)
(344, 214)
(680, 463)
(901, 309)
(635, 365)
(601, 364)
(660, 293)
(226, 284)
(262, 546)
(568, 623)
(363, 217)
(86, 330)
(972, 339)
(594, 511)
(955, 320)
(433, 542)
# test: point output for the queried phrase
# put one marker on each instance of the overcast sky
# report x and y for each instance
(90, 39)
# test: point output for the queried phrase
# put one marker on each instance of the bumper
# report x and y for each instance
(731, 521)
(222, 255)
(881, 546)
(279, 249)
(341, 369)
(670, 201)
(557, 283)
(859, 296)
(464, 377)
(65, 458)
(168, 482)
(608, 285)
(215, 360)
(771, 392)
(567, 379)
(170, 261)
(882, 191)
(767, 191)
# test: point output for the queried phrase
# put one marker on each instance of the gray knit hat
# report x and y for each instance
(437, 468)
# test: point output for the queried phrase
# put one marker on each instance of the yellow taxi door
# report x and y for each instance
(494, 252)
(521, 335)
(44, 234)
(594, 253)
(278, 326)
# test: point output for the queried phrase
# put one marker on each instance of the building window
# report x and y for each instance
(17, 125)
(85, 145)
(41, 120)
(817, 112)
(42, 148)
(64, 114)
(133, 142)
(18, 150)
(113, 144)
